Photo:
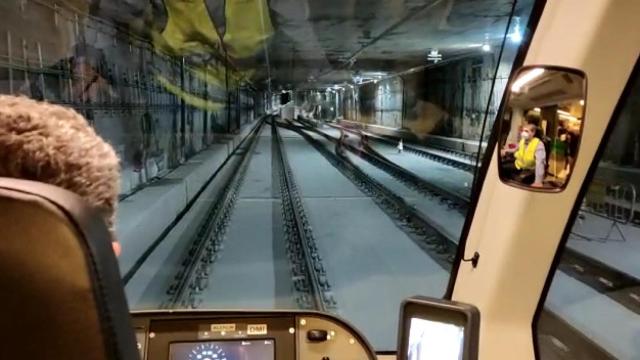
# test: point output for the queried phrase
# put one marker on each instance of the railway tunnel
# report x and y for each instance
(259, 149)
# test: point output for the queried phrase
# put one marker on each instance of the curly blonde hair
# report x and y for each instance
(55, 145)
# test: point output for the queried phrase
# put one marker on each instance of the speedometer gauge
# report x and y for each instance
(207, 352)
(255, 349)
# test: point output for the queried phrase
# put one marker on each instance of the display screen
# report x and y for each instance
(224, 350)
(435, 340)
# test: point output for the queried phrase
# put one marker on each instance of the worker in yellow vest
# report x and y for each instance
(529, 158)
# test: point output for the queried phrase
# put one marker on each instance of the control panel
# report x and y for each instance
(252, 335)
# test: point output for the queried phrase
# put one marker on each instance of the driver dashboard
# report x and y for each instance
(429, 329)
(246, 335)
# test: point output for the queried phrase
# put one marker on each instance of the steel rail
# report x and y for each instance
(193, 274)
(310, 278)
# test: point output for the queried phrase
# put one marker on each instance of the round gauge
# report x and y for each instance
(207, 352)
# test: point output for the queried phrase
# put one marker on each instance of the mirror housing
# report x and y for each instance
(541, 127)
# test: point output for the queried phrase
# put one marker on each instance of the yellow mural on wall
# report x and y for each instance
(190, 30)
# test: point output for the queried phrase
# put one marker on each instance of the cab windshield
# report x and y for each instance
(279, 154)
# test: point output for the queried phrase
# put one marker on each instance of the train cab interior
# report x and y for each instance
(320, 179)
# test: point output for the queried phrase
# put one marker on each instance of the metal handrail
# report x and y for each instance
(615, 211)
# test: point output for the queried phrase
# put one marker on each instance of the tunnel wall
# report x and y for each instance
(448, 100)
(451, 100)
(156, 110)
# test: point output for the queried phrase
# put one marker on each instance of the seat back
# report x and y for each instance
(62, 296)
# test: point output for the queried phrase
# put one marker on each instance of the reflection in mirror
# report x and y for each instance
(542, 126)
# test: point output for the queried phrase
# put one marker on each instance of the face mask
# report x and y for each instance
(563, 137)
(525, 135)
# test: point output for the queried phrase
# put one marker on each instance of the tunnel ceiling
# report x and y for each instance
(330, 41)
(317, 43)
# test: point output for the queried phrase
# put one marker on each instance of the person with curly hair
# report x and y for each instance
(56, 145)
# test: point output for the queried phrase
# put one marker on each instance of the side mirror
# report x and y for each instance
(440, 329)
(541, 127)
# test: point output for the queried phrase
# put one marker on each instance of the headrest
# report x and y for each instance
(62, 295)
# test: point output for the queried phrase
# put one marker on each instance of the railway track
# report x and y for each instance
(454, 158)
(446, 196)
(427, 235)
(192, 276)
(310, 286)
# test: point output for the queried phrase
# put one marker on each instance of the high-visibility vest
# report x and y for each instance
(526, 154)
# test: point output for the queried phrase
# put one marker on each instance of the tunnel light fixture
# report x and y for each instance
(434, 56)
(581, 102)
(567, 115)
(516, 35)
(526, 78)
(485, 46)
